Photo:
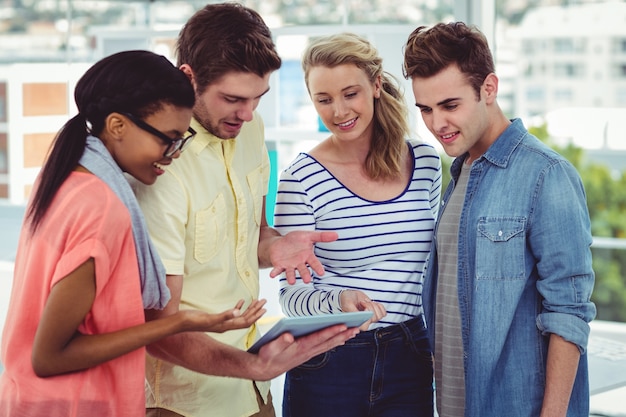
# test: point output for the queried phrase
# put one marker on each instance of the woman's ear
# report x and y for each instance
(377, 86)
(115, 125)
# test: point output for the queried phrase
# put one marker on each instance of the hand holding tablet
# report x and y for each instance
(303, 325)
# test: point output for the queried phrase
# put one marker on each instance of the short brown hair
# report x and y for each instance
(429, 51)
(226, 37)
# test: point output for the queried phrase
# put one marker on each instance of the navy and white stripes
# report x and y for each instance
(382, 245)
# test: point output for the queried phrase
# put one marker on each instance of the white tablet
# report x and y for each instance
(303, 325)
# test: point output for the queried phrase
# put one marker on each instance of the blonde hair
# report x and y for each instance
(384, 159)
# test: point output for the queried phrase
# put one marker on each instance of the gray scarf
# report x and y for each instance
(99, 161)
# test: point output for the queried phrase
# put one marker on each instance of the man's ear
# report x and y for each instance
(188, 71)
(490, 88)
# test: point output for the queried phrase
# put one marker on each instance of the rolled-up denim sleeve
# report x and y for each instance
(560, 241)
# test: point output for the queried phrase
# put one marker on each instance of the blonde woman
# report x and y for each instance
(380, 192)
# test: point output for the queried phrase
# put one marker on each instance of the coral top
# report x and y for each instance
(86, 219)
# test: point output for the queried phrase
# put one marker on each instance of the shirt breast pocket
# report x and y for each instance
(500, 248)
(210, 230)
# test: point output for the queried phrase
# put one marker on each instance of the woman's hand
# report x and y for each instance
(355, 300)
(230, 319)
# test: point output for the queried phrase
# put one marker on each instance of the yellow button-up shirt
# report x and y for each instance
(203, 215)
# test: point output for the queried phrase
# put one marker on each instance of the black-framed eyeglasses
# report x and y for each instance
(174, 145)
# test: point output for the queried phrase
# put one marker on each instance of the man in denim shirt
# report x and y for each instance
(508, 286)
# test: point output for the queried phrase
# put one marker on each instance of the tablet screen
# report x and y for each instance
(303, 325)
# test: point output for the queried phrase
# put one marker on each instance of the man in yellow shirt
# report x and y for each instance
(207, 219)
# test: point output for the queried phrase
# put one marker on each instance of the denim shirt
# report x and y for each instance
(524, 272)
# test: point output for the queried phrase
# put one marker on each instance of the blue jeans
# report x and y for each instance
(386, 372)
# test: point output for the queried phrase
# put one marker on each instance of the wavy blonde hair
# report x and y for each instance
(391, 128)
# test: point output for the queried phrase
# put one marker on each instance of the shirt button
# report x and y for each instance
(500, 233)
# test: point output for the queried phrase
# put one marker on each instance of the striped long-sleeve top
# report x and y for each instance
(382, 245)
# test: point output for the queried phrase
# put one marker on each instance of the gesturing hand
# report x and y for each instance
(227, 320)
(294, 252)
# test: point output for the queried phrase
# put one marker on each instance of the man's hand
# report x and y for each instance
(231, 319)
(285, 352)
(294, 252)
(355, 300)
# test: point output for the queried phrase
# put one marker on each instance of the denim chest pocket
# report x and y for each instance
(210, 230)
(500, 248)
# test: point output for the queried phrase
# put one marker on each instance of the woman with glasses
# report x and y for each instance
(73, 343)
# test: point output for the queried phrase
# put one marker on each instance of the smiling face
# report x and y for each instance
(344, 99)
(226, 104)
(140, 153)
(454, 114)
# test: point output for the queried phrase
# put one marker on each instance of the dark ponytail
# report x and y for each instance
(137, 82)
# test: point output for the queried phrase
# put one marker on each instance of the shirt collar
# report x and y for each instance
(203, 138)
(501, 150)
